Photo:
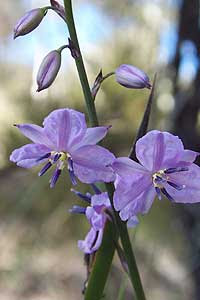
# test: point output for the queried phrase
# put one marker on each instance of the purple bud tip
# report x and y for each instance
(86, 197)
(45, 169)
(132, 77)
(76, 209)
(55, 177)
(47, 155)
(29, 22)
(48, 70)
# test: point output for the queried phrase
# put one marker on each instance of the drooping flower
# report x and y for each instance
(97, 214)
(29, 21)
(164, 168)
(132, 77)
(65, 140)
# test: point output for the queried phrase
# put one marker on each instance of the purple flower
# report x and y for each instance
(29, 21)
(48, 69)
(97, 215)
(65, 140)
(132, 77)
(165, 169)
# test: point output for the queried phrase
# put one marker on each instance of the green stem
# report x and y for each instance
(128, 251)
(108, 75)
(80, 66)
(105, 254)
(103, 261)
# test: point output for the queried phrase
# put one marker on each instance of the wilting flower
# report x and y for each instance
(29, 21)
(165, 169)
(65, 140)
(97, 214)
(48, 69)
(132, 77)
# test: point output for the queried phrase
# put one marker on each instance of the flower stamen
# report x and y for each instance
(162, 177)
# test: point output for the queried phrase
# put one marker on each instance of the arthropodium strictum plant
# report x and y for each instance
(164, 167)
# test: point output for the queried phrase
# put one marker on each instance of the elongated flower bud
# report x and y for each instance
(29, 21)
(48, 70)
(132, 77)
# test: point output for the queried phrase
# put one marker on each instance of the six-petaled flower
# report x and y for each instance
(65, 140)
(165, 168)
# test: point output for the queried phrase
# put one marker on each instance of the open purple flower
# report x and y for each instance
(97, 215)
(165, 169)
(65, 140)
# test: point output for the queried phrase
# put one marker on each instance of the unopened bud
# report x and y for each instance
(59, 9)
(132, 77)
(29, 21)
(48, 70)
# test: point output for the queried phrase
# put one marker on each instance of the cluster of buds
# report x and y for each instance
(50, 65)
(126, 75)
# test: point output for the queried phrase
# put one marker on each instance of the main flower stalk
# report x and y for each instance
(80, 65)
(106, 252)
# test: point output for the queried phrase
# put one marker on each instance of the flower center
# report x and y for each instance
(61, 159)
(159, 178)
(162, 178)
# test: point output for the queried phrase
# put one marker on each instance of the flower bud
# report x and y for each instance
(29, 22)
(59, 9)
(48, 70)
(132, 77)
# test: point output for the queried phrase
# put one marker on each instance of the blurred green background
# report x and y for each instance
(39, 258)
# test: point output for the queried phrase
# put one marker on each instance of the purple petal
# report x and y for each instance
(148, 197)
(152, 152)
(132, 222)
(100, 200)
(92, 136)
(28, 156)
(91, 164)
(127, 193)
(191, 180)
(189, 156)
(65, 128)
(35, 133)
(96, 220)
(92, 241)
(138, 205)
(132, 208)
(127, 168)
